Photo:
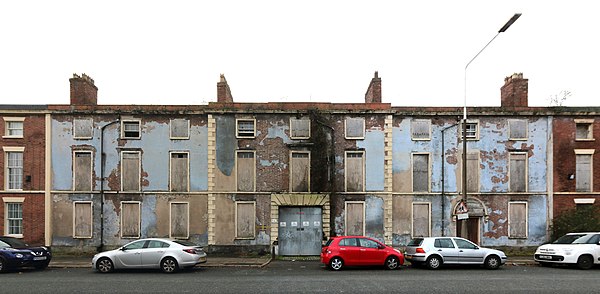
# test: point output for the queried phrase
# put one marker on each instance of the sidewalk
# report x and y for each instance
(64, 261)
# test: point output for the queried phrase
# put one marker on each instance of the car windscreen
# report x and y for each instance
(587, 239)
(415, 242)
(185, 243)
(568, 239)
(15, 243)
(4, 245)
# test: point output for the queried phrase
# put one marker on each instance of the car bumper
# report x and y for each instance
(28, 262)
(415, 258)
(554, 258)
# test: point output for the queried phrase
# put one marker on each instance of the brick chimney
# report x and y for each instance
(223, 91)
(514, 91)
(373, 94)
(83, 90)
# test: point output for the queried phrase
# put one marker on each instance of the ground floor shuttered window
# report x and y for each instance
(517, 219)
(82, 219)
(130, 219)
(355, 218)
(180, 220)
(245, 215)
(421, 219)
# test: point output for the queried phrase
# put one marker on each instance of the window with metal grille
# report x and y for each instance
(472, 131)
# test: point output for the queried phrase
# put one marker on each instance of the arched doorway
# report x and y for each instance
(470, 228)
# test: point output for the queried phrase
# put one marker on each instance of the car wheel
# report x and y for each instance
(42, 266)
(105, 265)
(392, 263)
(169, 265)
(585, 262)
(336, 264)
(492, 262)
(434, 262)
(2, 265)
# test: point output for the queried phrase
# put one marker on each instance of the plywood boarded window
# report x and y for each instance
(421, 129)
(180, 129)
(82, 171)
(299, 128)
(300, 172)
(246, 171)
(180, 215)
(245, 215)
(518, 172)
(179, 172)
(473, 171)
(130, 171)
(82, 219)
(583, 172)
(517, 219)
(584, 129)
(246, 128)
(517, 129)
(83, 129)
(355, 174)
(355, 218)
(130, 129)
(421, 219)
(355, 128)
(130, 219)
(420, 172)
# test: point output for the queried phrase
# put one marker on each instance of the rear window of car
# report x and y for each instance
(415, 242)
(185, 243)
(568, 239)
(328, 242)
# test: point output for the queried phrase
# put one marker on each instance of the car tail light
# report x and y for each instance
(420, 250)
(190, 251)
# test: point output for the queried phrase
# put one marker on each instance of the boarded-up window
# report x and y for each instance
(517, 219)
(420, 172)
(355, 177)
(82, 171)
(180, 220)
(246, 128)
(82, 219)
(179, 172)
(130, 219)
(355, 128)
(421, 226)
(130, 171)
(517, 129)
(82, 128)
(355, 218)
(180, 129)
(245, 214)
(584, 130)
(518, 172)
(421, 129)
(130, 130)
(300, 128)
(583, 173)
(473, 171)
(300, 172)
(245, 171)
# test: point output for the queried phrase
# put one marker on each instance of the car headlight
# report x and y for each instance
(19, 255)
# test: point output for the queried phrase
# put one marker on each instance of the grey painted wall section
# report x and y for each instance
(374, 166)
(226, 143)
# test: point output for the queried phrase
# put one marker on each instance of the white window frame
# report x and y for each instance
(292, 120)
(7, 150)
(83, 137)
(412, 218)
(292, 170)
(9, 119)
(139, 170)
(253, 170)
(171, 136)
(510, 155)
(139, 220)
(364, 215)
(171, 169)
(91, 168)
(471, 122)
(364, 162)
(187, 236)
(526, 219)
(346, 128)
(245, 134)
(590, 123)
(236, 219)
(126, 121)
(429, 163)
(91, 219)
(510, 135)
(412, 123)
(12, 200)
(589, 152)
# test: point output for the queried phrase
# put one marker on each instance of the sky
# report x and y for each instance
(172, 52)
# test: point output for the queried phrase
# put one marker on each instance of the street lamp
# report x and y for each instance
(464, 123)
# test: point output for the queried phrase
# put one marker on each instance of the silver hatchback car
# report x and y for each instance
(168, 255)
(435, 251)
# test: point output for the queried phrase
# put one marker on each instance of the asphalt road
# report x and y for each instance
(306, 277)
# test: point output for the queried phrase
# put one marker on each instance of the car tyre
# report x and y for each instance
(492, 262)
(2, 265)
(336, 264)
(169, 265)
(105, 265)
(392, 263)
(585, 262)
(434, 262)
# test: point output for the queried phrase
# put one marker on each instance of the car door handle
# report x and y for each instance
(439, 249)
(363, 250)
(460, 251)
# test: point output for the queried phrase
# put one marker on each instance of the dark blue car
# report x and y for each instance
(15, 253)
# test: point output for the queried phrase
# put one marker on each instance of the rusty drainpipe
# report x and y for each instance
(102, 160)
(443, 179)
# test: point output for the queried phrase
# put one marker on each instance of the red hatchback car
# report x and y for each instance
(358, 250)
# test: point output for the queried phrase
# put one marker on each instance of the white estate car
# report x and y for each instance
(168, 255)
(581, 249)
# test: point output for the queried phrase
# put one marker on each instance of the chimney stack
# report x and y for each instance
(373, 94)
(514, 91)
(83, 90)
(223, 91)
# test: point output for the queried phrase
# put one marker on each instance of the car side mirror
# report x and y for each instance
(380, 246)
(123, 249)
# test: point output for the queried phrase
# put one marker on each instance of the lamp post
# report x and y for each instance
(464, 230)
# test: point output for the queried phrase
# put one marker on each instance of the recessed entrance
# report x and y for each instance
(300, 230)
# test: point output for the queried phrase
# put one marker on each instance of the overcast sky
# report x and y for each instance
(172, 52)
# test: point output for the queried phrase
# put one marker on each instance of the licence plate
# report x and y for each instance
(545, 257)
(39, 258)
